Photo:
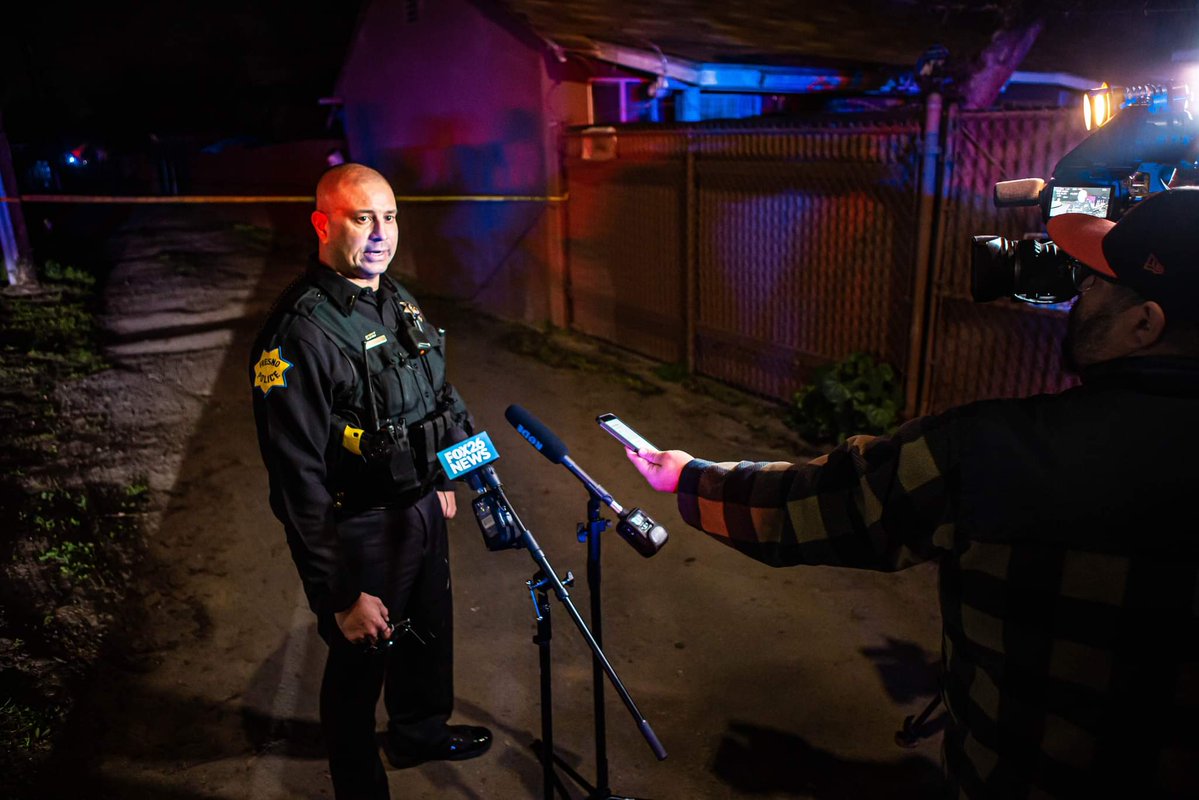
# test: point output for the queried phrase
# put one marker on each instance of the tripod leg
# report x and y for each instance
(546, 749)
(595, 524)
(911, 734)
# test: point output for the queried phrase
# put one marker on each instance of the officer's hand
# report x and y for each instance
(449, 504)
(365, 621)
(661, 468)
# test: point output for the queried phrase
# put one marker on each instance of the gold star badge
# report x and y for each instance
(271, 371)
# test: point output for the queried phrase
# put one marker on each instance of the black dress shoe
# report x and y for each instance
(463, 742)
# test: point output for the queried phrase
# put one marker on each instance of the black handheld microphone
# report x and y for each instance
(634, 526)
(470, 460)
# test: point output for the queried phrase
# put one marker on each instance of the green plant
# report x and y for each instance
(136, 491)
(76, 560)
(675, 373)
(55, 512)
(54, 272)
(55, 332)
(254, 234)
(556, 351)
(856, 395)
(124, 508)
(24, 727)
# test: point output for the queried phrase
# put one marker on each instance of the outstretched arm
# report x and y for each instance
(874, 502)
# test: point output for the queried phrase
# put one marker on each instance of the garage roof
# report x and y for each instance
(1121, 41)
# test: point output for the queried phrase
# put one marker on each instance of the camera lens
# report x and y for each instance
(1029, 270)
(992, 268)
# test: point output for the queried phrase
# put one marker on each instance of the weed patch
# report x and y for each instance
(25, 727)
(549, 348)
(45, 340)
(857, 395)
(254, 235)
(67, 556)
(67, 551)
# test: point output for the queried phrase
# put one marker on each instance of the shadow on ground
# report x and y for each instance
(761, 760)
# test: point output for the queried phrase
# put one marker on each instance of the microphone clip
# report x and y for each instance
(593, 528)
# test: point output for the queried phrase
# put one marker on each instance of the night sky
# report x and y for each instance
(218, 69)
(201, 68)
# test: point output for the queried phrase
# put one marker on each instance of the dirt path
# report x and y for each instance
(759, 682)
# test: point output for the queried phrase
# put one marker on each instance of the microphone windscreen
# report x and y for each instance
(1021, 192)
(536, 434)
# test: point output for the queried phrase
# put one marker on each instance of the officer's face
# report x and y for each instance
(357, 230)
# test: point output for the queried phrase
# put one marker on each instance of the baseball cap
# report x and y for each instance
(1153, 249)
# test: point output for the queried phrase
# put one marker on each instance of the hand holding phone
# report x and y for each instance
(623, 433)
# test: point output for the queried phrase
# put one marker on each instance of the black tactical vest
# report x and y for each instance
(408, 391)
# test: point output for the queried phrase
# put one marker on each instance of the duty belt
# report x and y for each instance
(420, 444)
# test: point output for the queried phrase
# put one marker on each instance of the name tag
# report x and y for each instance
(374, 340)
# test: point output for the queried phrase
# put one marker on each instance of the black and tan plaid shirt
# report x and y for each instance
(1069, 570)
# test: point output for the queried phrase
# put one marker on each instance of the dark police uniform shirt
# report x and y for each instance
(311, 405)
(1069, 570)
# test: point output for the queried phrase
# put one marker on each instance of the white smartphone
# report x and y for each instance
(623, 433)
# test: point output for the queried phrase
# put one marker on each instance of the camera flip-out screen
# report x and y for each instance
(1091, 200)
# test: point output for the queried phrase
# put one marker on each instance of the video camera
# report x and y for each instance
(1146, 142)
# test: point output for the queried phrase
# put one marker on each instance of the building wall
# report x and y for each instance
(450, 102)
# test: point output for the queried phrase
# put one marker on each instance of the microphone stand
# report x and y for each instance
(589, 532)
(547, 579)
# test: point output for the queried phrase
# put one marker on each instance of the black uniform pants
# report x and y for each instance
(402, 557)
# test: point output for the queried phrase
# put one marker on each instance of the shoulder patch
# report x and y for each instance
(271, 371)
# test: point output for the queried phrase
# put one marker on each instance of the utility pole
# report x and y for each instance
(14, 237)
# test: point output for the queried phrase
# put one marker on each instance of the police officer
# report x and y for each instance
(352, 403)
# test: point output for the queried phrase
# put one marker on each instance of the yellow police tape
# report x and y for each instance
(217, 198)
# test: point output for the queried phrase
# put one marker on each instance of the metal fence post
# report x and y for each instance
(690, 258)
(925, 222)
(936, 289)
(14, 239)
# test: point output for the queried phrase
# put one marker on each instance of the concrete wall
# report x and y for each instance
(450, 103)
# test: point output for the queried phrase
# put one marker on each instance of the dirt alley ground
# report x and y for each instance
(759, 683)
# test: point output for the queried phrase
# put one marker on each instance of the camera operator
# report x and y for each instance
(351, 404)
(1068, 558)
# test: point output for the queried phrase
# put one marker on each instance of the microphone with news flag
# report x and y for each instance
(470, 460)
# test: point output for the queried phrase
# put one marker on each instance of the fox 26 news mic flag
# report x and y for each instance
(470, 460)
(635, 526)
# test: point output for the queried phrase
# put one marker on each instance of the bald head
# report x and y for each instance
(355, 222)
(336, 180)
